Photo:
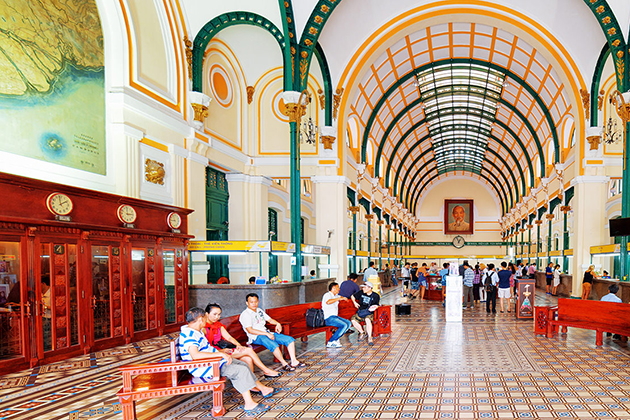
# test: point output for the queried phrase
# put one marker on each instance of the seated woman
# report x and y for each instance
(216, 332)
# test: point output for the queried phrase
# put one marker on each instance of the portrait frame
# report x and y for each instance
(468, 206)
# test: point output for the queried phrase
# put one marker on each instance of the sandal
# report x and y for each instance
(299, 365)
(370, 343)
(288, 368)
(273, 376)
(361, 336)
(274, 391)
(259, 409)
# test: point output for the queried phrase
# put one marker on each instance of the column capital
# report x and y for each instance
(354, 209)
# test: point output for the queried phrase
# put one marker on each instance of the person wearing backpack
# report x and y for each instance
(330, 306)
(490, 284)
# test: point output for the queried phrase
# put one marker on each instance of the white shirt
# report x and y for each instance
(256, 320)
(404, 273)
(333, 308)
(494, 277)
(369, 272)
(611, 297)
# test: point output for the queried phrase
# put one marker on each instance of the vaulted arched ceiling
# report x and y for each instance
(460, 98)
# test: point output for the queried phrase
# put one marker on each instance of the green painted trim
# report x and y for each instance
(553, 204)
(352, 195)
(493, 66)
(409, 198)
(328, 88)
(214, 26)
(612, 32)
(597, 77)
(568, 195)
(541, 211)
(366, 204)
(290, 39)
(316, 22)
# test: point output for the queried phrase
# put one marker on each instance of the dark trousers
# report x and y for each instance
(491, 297)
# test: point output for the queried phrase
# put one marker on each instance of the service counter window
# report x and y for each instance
(101, 292)
(11, 333)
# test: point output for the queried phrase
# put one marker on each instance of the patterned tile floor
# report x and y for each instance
(486, 367)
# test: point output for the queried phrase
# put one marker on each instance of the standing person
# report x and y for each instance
(491, 282)
(366, 303)
(504, 286)
(415, 285)
(223, 341)
(512, 269)
(443, 273)
(556, 279)
(405, 274)
(587, 283)
(388, 274)
(395, 274)
(482, 290)
(350, 286)
(330, 306)
(193, 345)
(531, 271)
(476, 283)
(469, 277)
(549, 276)
(422, 280)
(254, 320)
(370, 271)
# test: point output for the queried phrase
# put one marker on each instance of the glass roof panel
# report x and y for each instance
(460, 104)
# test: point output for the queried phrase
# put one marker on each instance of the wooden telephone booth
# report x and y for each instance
(82, 271)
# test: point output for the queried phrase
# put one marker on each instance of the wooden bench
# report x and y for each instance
(142, 382)
(590, 314)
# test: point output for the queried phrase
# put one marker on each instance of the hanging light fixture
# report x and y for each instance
(308, 129)
(611, 133)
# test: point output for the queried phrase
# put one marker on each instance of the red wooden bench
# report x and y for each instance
(142, 382)
(590, 314)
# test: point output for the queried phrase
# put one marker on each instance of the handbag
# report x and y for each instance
(224, 344)
(362, 313)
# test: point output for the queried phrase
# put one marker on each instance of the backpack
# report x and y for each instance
(315, 318)
(487, 283)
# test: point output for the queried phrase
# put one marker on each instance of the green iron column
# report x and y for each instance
(550, 219)
(529, 245)
(565, 237)
(380, 239)
(368, 218)
(354, 210)
(624, 265)
(538, 223)
(296, 202)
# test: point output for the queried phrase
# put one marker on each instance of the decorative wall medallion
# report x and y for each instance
(154, 171)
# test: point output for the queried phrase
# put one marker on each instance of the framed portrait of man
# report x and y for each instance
(458, 217)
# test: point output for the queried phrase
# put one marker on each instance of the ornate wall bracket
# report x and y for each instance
(295, 104)
(354, 209)
(328, 136)
(621, 101)
(199, 103)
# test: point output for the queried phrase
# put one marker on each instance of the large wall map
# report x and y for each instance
(52, 104)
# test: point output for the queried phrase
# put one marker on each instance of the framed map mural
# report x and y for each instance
(458, 217)
(52, 84)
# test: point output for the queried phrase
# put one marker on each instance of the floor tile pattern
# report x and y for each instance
(489, 366)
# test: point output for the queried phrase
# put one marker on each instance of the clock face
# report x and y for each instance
(459, 241)
(127, 214)
(59, 204)
(174, 220)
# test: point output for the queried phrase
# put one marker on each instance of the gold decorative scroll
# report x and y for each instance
(201, 112)
(328, 142)
(250, 94)
(154, 172)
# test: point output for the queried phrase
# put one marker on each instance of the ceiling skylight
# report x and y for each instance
(460, 105)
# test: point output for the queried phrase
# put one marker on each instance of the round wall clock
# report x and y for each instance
(59, 204)
(459, 242)
(174, 220)
(127, 214)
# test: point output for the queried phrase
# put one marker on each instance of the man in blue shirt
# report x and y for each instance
(504, 286)
(549, 276)
(349, 287)
(469, 276)
(193, 345)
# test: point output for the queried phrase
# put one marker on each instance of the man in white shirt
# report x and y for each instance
(193, 345)
(254, 320)
(612, 295)
(330, 306)
(491, 295)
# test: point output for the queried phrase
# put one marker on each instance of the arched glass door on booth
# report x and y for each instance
(14, 312)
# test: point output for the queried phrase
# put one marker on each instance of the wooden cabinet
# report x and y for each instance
(77, 276)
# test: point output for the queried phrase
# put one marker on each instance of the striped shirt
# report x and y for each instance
(469, 277)
(189, 337)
